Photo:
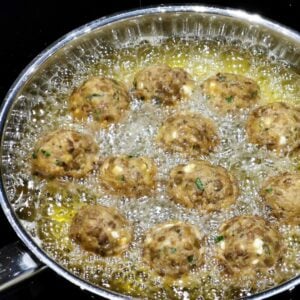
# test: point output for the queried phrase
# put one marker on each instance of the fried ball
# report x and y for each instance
(247, 245)
(103, 99)
(64, 153)
(188, 133)
(202, 186)
(281, 193)
(276, 126)
(173, 248)
(128, 175)
(228, 92)
(164, 84)
(102, 230)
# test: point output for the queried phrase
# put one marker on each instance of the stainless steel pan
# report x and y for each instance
(18, 262)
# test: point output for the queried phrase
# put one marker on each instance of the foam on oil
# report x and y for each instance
(47, 208)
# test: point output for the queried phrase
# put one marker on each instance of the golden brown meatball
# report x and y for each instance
(102, 99)
(188, 133)
(282, 194)
(173, 248)
(228, 92)
(247, 245)
(64, 153)
(129, 176)
(102, 230)
(202, 186)
(164, 84)
(276, 126)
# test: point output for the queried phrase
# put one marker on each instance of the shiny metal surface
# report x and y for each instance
(188, 21)
(17, 264)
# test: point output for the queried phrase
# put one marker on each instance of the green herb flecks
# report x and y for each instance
(199, 184)
(116, 96)
(90, 97)
(219, 238)
(267, 249)
(173, 250)
(97, 115)
(190, 258)
(253, 94)
(177, 230)
(229, 99)
(45, 152)
(34, 156)
(122, 178)
(59, 163)
(221, 78)
(269, 190)
(132, 155)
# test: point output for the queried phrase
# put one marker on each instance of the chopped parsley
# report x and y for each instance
(34, 156)
(267, 249)
(221, 78)
(253, 94)
(97, 115)
(190, 258)
(173, 250)
(45, 152)
(122, 178)
(90, 97)
(199, 184)
(269, 190)
(229, 99)
(116, 96)
(59, 162)
(219, 238)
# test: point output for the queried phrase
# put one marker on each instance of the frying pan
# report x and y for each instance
(18, 262)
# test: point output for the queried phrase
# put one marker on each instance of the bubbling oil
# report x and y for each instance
(47, 207)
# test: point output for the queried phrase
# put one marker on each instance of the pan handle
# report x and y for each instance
(17, 264)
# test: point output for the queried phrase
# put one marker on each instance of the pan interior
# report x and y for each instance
(203, 44)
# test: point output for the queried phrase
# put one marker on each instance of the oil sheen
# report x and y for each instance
(46, 207)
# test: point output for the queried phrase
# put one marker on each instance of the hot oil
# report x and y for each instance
(47, 208)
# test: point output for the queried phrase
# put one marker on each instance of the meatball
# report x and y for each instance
(247, 245)
(64, 153)
(104, 100)
(228, 92)
(202, 186)
(164, 84)
(102, 230)
(188, 133)
(128, 175)
(276, 126)
(281, 193)
(173, 249)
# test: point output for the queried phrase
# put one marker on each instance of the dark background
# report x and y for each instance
(27, 27)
